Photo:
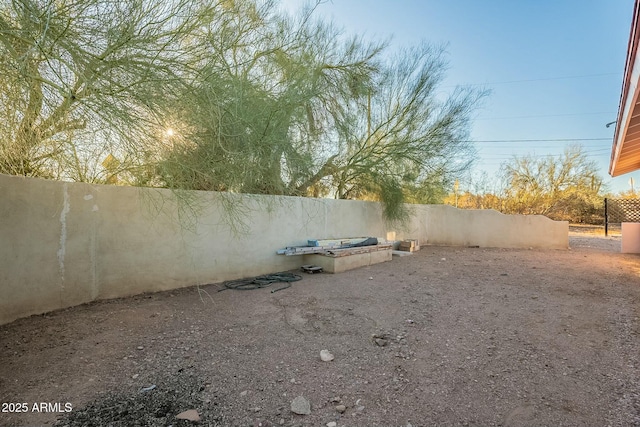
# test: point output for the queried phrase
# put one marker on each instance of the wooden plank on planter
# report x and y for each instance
(302, 250)
(337, 242)
(358, 250)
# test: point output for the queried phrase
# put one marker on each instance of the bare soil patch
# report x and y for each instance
(463, 336)
(613, 230)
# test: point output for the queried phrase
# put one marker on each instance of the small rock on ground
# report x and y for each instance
(191, 415)
(326, 356)
(301, 406)
(381, 342)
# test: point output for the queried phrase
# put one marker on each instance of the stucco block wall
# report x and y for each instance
(446, 225)
(630, 237)
(63, 244)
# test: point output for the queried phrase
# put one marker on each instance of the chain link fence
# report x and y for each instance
(617, 211)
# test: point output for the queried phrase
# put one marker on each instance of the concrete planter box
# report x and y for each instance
(344, 262)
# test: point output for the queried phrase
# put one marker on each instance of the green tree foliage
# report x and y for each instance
(289, 106)
(563, 188)
(476, 191)
(232, 96)
(631, 193)
(85, 78)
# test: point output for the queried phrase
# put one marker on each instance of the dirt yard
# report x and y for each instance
(447, 336)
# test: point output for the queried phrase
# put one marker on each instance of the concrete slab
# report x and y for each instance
(401, 253)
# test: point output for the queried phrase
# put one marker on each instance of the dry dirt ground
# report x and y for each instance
(466, 336)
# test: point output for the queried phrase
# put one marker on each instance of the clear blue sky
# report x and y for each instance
(554, 67)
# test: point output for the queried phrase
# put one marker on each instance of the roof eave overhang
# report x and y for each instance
(625, 153)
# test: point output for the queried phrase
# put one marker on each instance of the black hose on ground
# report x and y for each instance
(259, 282)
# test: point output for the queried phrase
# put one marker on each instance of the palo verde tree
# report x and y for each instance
(289, 106)
(407, 144)
(227, 95)
(82, 79)
(268, 110)
(256, 117)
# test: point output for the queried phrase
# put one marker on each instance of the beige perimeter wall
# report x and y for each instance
(63, 244)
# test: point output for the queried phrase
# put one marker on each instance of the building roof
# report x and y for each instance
(625, 153)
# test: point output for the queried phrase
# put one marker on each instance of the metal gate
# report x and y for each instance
(617, 211)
